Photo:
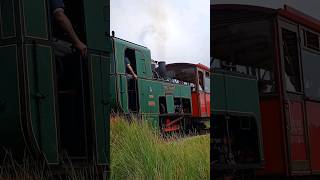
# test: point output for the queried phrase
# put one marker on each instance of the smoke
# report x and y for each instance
(153, 36)
(174, 30)
(154, 32)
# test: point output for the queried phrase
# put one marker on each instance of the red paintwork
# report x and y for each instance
(272, 132)
(203, 67)
(300, 18)
(203, 104)
(297, 132)
(208, 103)
(171, 126)
(195, 104)
(313, 118)
(200, 104)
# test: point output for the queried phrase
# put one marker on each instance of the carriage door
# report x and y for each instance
(293, 95)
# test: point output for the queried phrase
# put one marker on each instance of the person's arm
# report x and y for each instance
(64, 22)
(131, 71)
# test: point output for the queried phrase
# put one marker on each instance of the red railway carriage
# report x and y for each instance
(281, 47)
(198, 75)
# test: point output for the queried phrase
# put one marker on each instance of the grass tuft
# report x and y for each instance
(138, 152)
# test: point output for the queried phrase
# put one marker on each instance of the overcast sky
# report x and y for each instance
(174, 30)
(310, 7)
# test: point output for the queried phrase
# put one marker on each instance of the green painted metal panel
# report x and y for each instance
(148, 94)
(182, 91)
(143, 57)
(10, 129)
(218, 99)
(170, 104)
(97, 22)
(35, 18)
(123, 93)
(242, 94)
(236, 94)
(113, 91)
(185, 91)
(119, 56)
(143, 65)
(7, 19)
(101, 105)
(42, 99)
(177, 91)
(157, 90)
(143, 90)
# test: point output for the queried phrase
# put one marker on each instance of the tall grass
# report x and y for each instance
(30, 169)
(138, 152)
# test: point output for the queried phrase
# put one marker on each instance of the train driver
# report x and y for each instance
(57, 10)
(128, 67)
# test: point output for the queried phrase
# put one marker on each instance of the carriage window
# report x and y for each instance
(246, 48)
(311, 74)
(291, 61)
(311, 40)
(201, 83)
(207, 82)
(131, 55)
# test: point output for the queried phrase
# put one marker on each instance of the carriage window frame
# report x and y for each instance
(305, 44)
(200, 80)
(303, 60)
(295, 67)
(206, 81)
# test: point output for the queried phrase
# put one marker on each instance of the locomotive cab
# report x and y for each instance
(73, 78)
(70, 86)
(55, 109)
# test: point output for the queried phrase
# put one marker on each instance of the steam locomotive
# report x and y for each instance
(173, 97)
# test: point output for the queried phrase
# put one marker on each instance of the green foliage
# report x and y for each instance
(138, 152)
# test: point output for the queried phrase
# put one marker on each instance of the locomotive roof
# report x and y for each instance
(287, 12)
(123, 41)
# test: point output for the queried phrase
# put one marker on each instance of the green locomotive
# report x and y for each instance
(164, 103)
